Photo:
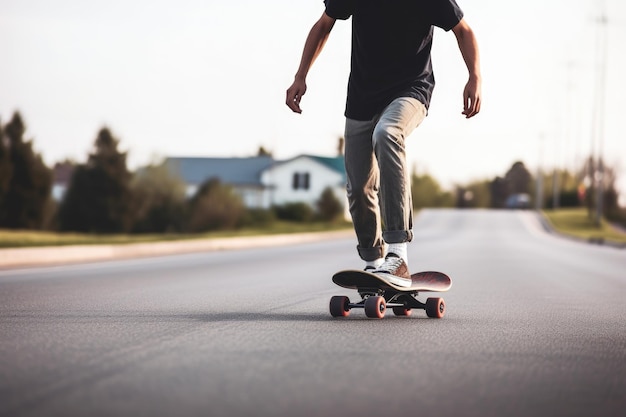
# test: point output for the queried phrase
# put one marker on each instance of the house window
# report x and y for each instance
(301, 181)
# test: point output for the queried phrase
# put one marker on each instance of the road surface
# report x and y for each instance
(535, 325)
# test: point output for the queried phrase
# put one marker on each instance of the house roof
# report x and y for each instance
(235, 171)
(335, 163)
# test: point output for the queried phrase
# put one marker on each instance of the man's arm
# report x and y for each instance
(312, 48)
(469, 49)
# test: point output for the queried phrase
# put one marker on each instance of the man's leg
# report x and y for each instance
(396, 123)
(363, 182)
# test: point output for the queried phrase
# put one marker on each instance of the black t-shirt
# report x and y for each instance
(391, 43)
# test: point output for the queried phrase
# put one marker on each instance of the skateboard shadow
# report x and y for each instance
(225, 317)
(91, 317)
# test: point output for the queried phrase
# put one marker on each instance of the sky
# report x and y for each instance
(208, 78)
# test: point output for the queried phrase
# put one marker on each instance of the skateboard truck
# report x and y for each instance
(377, 295)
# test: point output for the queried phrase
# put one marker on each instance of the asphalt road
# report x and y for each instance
(535, 325)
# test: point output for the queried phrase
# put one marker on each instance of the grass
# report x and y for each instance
(27, 238)
(576, 222)
(573, 222)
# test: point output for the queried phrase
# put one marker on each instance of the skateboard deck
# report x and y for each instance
(377, 294)
(422, 281)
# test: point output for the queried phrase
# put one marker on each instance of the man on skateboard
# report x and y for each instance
(389, 91)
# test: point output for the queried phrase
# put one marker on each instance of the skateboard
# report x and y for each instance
(378, 294)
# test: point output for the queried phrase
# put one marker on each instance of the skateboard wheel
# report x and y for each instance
(339, 306)
(375, 307)
(435, 308)
(402, 311)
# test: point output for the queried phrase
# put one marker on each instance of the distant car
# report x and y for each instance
(518, 201)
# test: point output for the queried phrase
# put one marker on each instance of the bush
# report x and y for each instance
(295, 212)
(329, 208)
(618, 216)
(215, 207)
(258, 218)
(158, 201)
(569, 199)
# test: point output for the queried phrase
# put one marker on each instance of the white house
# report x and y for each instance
(262, 181)
(303, 179)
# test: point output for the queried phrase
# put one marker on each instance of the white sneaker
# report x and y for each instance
(395, 271)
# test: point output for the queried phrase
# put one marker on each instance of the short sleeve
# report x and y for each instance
(446, 14)
(339, 9)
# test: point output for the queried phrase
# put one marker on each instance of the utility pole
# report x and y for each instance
(598, 114)
(539, 186)
(560, 158)
(556, 188)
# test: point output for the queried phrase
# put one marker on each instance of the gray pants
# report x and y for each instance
(375, 159)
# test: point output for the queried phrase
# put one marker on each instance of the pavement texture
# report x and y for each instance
(535, 325)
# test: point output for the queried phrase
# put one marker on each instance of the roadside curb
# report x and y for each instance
(549, 228)
(55, 255)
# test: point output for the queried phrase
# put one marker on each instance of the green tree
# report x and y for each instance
(426, 192)
(6, 171)
(158, 200)
(499, 189)
(215, 207)
(263, 152)
(474, 195)
(584, 180)
(329, 207)
(98, 198)
(566, 187)
(610, 195)
(26, 181)
(518, 179)
(341, 146)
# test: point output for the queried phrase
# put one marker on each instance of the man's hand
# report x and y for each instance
(312, 48)
(294, 95)
(471, 98)
(469, 49)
